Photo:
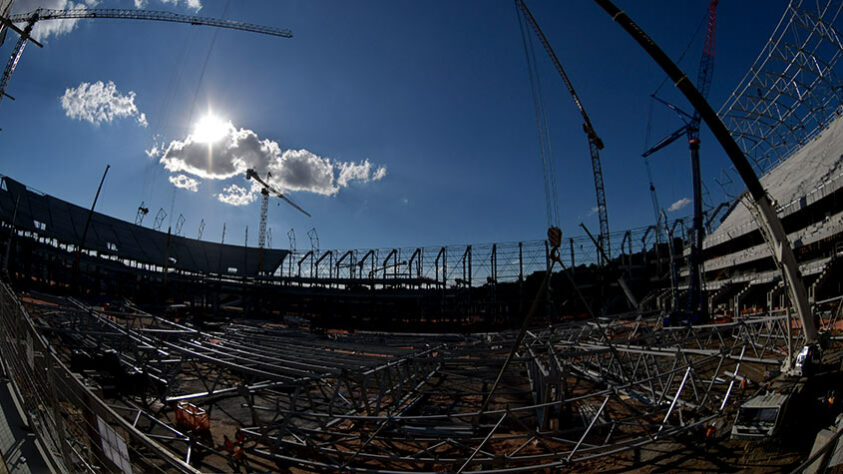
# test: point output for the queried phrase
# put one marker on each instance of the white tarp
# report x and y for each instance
(114, 447)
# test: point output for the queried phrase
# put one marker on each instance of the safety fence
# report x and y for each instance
(78, 430)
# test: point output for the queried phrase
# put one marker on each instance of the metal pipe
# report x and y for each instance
(85, 230)
(765, 213)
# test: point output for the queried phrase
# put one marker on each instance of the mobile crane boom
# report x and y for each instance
(595, 144)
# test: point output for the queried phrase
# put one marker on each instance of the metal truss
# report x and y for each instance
(84, 13)
(450, 266)
(793, 90)
(381, 402)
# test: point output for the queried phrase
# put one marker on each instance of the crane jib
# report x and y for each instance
(121, 14)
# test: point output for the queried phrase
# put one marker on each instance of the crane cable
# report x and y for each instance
(205, 65)
(648, 134)
(702, 22)
(542, 126)
(196, 95)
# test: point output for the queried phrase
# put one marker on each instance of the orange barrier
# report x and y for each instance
(191, 417)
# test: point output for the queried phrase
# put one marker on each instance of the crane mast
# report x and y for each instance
(695, 306)
(266, 190)
(595, 144)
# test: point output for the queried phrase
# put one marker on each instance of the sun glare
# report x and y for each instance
(210, 129)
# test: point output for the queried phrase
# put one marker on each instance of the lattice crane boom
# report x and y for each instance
(252, 174)
(266, 190)
(595, 144)
(121, 14)
(706, 69)
(691, 129)
(42, 14)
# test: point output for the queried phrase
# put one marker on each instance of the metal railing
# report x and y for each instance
(77, 428)
(456, 265)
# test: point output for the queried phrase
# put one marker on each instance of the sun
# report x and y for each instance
(210, 129)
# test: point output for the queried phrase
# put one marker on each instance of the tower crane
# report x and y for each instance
(595, 144)
(42, 14)
(695, 306)
(266, 190)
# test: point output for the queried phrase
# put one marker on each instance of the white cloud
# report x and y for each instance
(44, 29)
(237, 196)
(141, 3)
(237, 150)
(191, 4)
(301, 170)
(153, 152)
(358, 171)
(157, 147)
(99, 102)
(593, 211)
(184, 182)
(231, 155)
(682, 203)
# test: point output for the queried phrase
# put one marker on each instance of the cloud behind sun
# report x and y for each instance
(217, 150)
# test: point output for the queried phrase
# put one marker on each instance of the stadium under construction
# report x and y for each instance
(132, 349)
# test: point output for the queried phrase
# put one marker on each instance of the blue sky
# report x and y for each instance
(426, 105)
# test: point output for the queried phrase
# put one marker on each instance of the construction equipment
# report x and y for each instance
(142, 212)
(630, 297)
(43, 14)
(314, 239)
(759, 203)
(179, 224)
(595, 144)
(696, 308)
(191, 417)
(159, 218)
(81, 245)
(266, 190)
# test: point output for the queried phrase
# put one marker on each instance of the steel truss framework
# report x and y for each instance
(458, 265)
(793, 90)
(378, 402)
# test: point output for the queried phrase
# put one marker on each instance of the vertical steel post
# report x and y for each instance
(85, 230)
(11, 237)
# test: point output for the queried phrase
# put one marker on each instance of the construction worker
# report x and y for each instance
(710, 432)
(236, 447)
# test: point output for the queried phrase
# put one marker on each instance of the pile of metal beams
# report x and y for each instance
(379, 402)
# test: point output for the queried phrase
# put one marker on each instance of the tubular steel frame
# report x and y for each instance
(379, 402)
(793, 90)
